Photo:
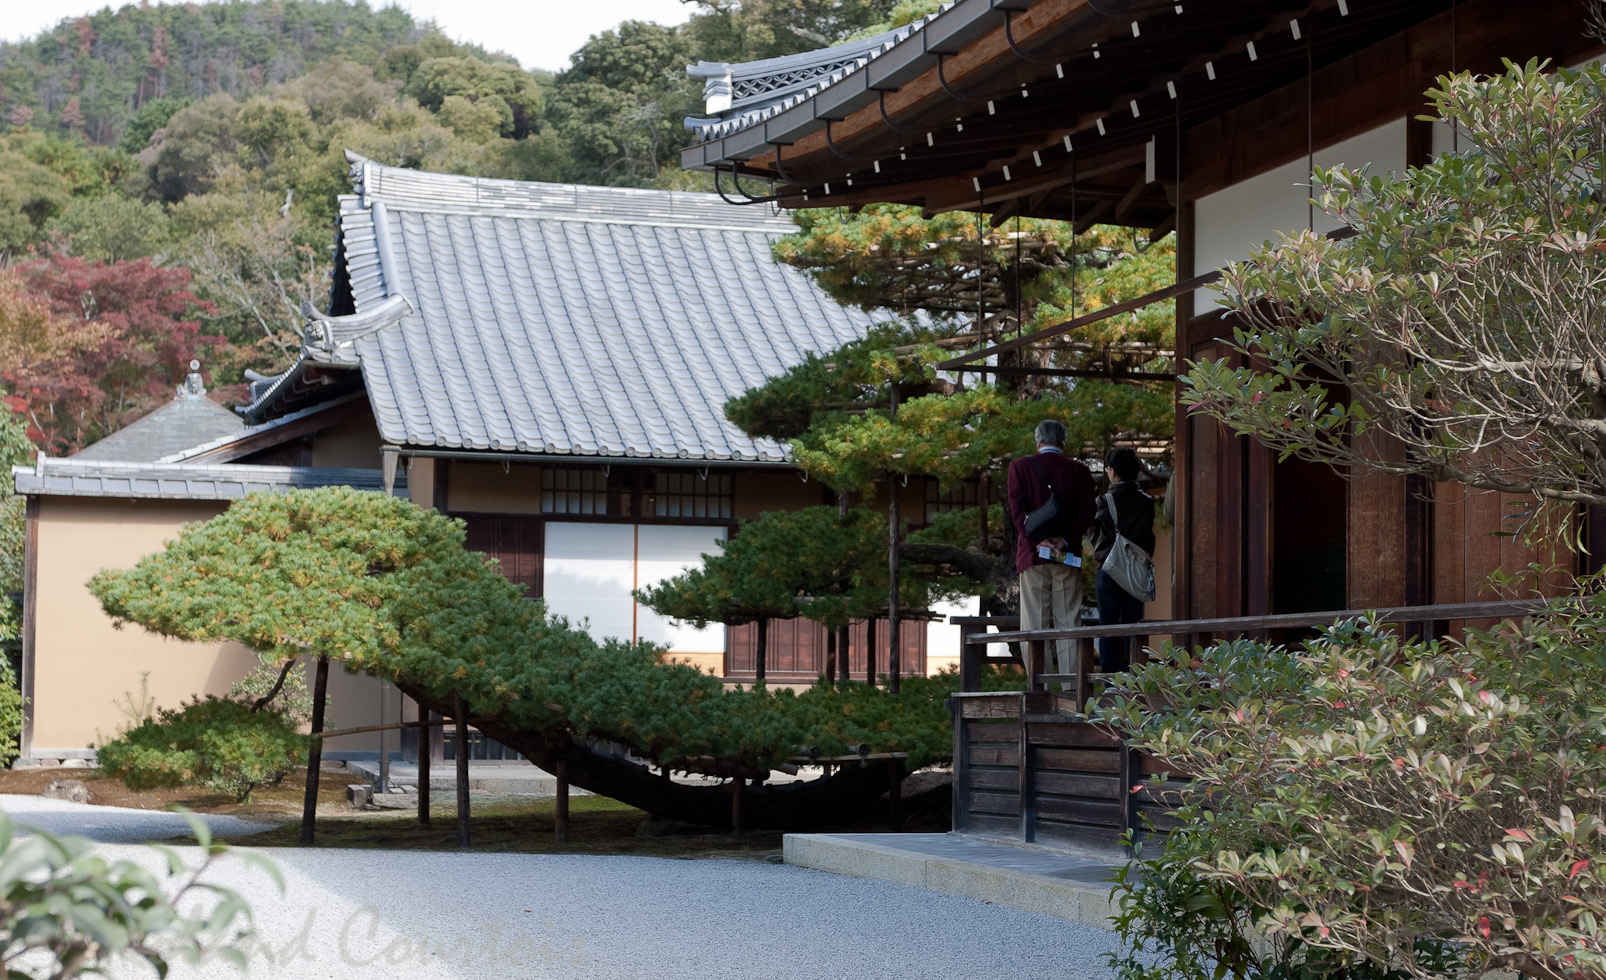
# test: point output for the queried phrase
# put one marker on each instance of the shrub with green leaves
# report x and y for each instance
(1431, 809)
(67, 912)
(11, 703)
(213, 742)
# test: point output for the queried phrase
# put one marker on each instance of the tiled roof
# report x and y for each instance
(745, 94)
(188, 419)
(76, 477)
(240, 434)
(557, 319)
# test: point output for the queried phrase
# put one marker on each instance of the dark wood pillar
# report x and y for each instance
(320, 696)
(424, 745)
(462, 776)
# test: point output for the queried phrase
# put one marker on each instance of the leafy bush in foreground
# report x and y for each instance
(220, 744)
(65, 912)
(1431, 810)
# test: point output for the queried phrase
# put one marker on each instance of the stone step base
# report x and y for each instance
(1066, 886)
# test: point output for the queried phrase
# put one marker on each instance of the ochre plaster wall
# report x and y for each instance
(353, 444)
(757, 492)
(486, 488)
(84, 668)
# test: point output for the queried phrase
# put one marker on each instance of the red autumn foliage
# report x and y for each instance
(90, 346)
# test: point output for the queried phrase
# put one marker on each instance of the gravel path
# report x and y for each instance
(407, 915)
(430, 916)
(114, 824)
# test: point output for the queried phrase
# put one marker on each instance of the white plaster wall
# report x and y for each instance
(1231, 222)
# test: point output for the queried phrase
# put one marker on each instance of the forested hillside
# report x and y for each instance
(190, 155)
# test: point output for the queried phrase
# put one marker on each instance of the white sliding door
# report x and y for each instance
(664, 551)
(591, 569)
(588, 574)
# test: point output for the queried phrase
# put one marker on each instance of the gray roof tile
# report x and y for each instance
(188, 420)
(557, 319)
(78, 477)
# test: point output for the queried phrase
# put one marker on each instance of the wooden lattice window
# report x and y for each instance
(684, 494)
(574, 491)
(939, 501)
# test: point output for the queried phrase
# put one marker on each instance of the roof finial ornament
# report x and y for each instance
(193, 386)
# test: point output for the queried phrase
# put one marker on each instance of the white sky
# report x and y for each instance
(540, 33)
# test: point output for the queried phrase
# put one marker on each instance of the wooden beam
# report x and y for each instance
(1123, 210)
(1377, 84)
(30, 617)
(1038, 336)
(985, 68)
(279, 435)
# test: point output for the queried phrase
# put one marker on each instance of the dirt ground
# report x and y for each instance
(597, 825)
(268, 802)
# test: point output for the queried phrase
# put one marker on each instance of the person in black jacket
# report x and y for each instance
(1134, 517)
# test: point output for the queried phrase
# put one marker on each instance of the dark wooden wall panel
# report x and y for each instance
(1375, 563)
(797, 649)
(515, 542)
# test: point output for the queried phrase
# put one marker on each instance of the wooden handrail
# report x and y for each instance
(972, 653)
(1408, 614)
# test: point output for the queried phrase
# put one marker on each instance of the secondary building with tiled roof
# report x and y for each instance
(547, 362)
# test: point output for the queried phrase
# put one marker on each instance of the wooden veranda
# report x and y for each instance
(1030, 768)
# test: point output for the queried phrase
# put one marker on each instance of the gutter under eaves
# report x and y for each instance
(573, 459)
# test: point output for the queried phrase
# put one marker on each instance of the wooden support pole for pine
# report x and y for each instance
(894, 622)
(844, 645)
(738, 821)
(560, 821)
(895, 796)
(320, 694)
(830, 656)
(426, 737)
(761, 648)
(462, 776)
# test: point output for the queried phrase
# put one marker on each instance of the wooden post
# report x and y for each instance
(960, 819)
(895, 795)
(1087, 659)
(1027, 784)
(738, 823)
(844, 646)
(320, 695)
(384, 757)
(830, 657)
(970, 661)
(1131, 776)
(761, 648)
(1034, 664)
(462, 776)
(424, 746)
(894, 623)
(560, 821)
(869, 651)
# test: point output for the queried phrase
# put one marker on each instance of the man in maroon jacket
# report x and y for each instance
(1051, 592)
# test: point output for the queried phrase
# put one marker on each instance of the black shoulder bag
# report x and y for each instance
(1045, 521)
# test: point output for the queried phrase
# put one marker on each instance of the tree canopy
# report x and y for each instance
(384, 587)
(1460, 334)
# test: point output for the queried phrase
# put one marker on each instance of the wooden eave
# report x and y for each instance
(1139, 91)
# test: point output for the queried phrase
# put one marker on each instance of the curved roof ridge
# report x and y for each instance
(743, 94)
(402, 188)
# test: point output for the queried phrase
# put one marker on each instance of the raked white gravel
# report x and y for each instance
(485, 916)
